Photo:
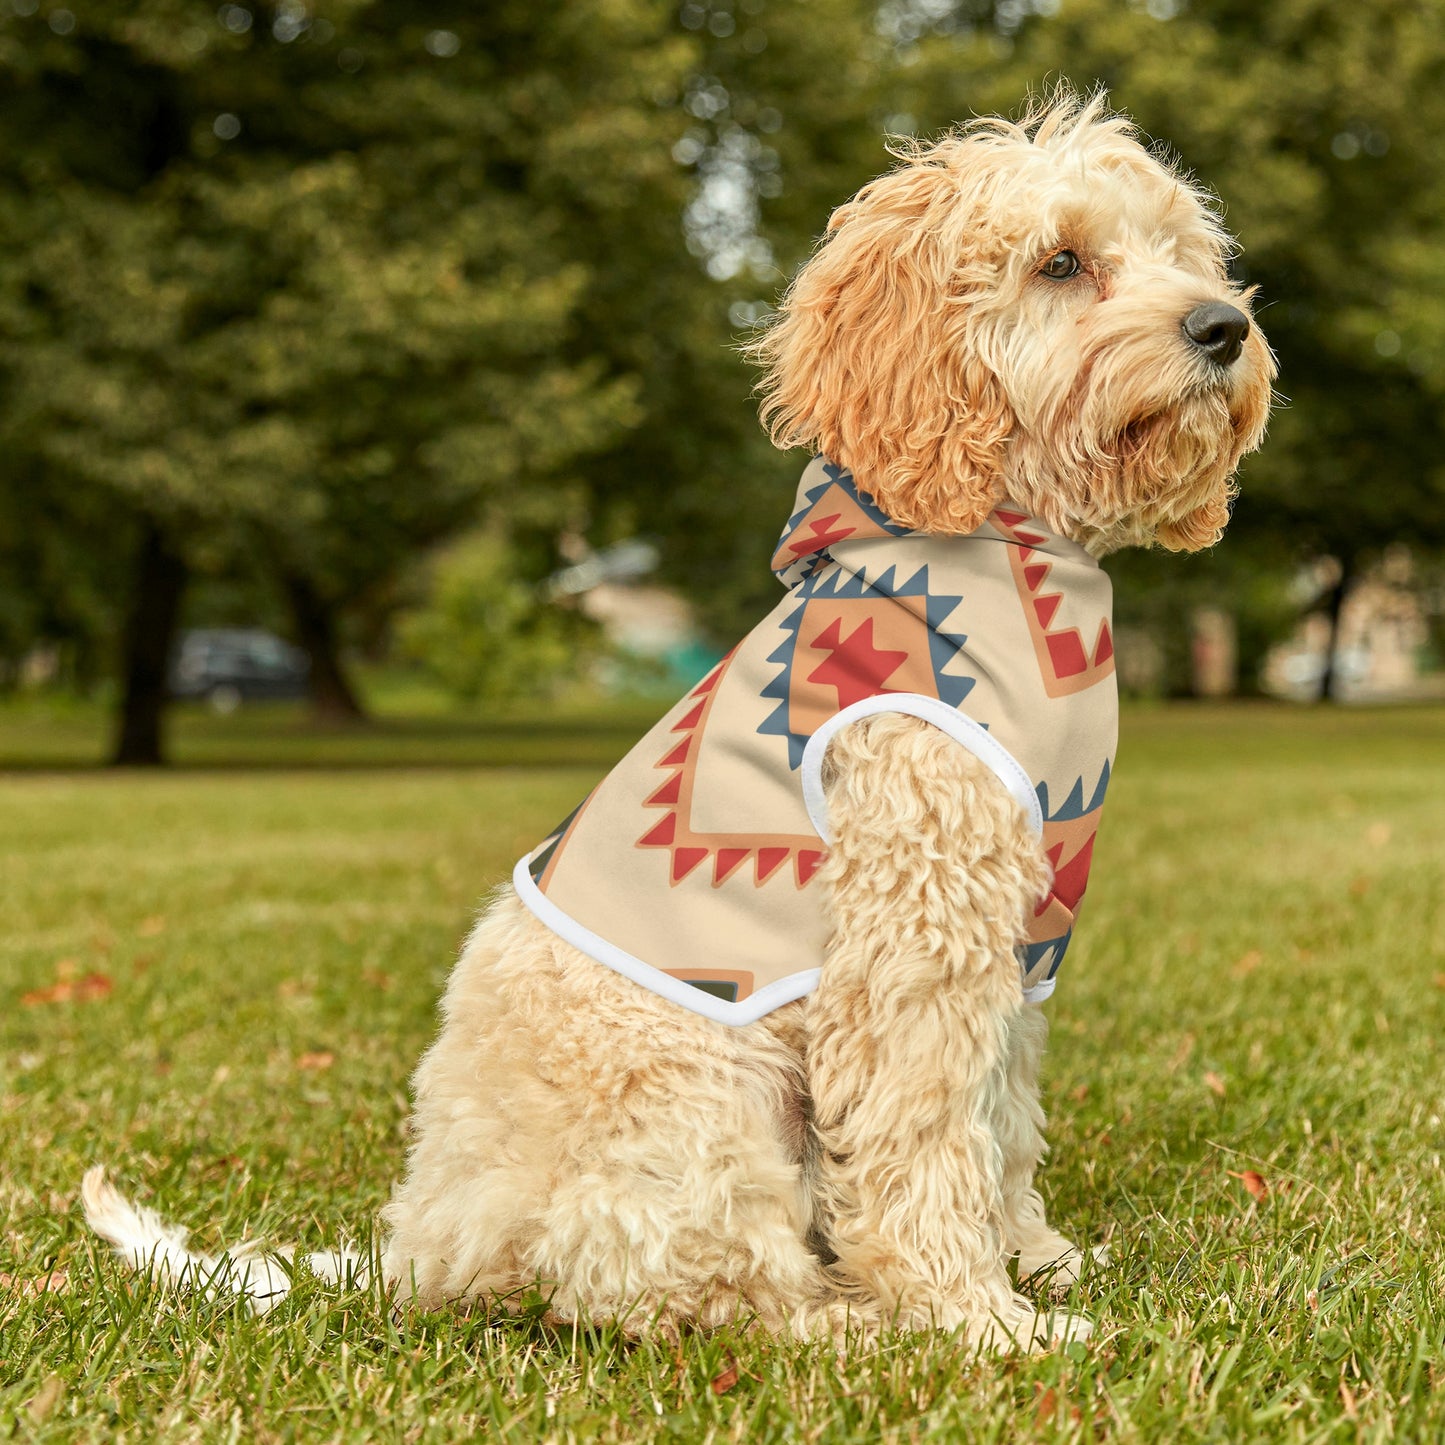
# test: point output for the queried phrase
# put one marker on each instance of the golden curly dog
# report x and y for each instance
(1033, 313)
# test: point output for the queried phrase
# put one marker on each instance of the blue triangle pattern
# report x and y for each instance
(1074, 805)
(835, 581)
(1035, 953)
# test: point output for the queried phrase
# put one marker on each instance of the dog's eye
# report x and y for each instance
(1060, 266)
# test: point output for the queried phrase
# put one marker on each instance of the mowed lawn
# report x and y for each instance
(216, 981)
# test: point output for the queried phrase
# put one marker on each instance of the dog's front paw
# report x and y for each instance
(1023, 1326)
(1056, 1267)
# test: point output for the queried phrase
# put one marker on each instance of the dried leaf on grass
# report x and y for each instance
(1214, 1083)
(318, 1060)
(724, 1382)
(1046, 1407)
(1254, 1183)
(67, 990)
(1247, 963)
(56, 1282)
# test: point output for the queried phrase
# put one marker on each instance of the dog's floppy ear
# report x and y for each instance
(873, 361)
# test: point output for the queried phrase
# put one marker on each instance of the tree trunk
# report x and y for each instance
(1334, 607)
(150, 629)
(333, 699)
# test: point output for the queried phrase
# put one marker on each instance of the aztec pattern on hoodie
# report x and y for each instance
(690, 867)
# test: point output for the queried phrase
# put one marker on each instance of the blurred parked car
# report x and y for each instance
(230, 665)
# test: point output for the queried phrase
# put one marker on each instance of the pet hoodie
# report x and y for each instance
(690, 867)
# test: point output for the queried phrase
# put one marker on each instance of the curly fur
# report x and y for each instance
(921, 348)
(646, 1164)
(866, 1156)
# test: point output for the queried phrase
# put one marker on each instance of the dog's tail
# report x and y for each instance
(147, 1243)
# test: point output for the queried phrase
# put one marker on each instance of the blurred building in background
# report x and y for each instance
(1382, 646)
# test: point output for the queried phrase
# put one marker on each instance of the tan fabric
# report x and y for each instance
(690, 866)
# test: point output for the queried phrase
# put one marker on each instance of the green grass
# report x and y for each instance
(1257, 986)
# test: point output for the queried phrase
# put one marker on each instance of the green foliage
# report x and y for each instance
(309, 286)
(485, 633)
(317, 286)
(778, 119)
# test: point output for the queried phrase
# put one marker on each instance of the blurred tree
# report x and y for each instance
(483, 632)
(779, 114)
(319, 285)
(305, 284)
(311, 287)
(59, 574)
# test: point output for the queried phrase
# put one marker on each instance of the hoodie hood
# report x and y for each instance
(831, 514)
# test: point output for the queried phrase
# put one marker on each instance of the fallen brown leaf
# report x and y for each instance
(320, 1059)
(1214, 1083)
(1248, 963)
(1254, 1183)
(1080, 1094)
(377, 978)
(56, 993)
(1440, 980)
(1046, 1408)
(1360, 886)
(56, 1282)
(724, 1382)
(81, 990)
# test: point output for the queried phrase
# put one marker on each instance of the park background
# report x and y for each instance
(408, 333)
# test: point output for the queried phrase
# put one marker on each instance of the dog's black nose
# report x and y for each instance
(1218, 331)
